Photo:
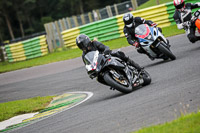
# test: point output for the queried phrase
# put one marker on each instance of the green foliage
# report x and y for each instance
(46, 19)
(185, 124)
(13, 108)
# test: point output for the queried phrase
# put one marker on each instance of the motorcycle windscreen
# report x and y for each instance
(142, 31)
(90, 60)
(89, 57)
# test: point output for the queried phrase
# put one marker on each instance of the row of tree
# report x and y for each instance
(19, 18)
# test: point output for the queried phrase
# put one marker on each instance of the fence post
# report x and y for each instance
(75, 21)
(69, 23)
(49, 37)
(90, 17)
(116, 10)
(134, 4)
(82, 19)
(95, 14)
(62, 24)
(59, 34)
(3, 56)
(99, 15)
(109, 11)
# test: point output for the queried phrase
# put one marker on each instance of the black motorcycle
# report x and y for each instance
(114, 72)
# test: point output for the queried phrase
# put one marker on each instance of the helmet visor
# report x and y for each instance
(180, 6)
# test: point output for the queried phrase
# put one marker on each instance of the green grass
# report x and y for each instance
(152, 3)
(13, 108)
(73, 53)
(185, 124)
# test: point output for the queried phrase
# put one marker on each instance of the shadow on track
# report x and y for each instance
(157, 63)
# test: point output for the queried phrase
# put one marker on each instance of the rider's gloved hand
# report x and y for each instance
(154, 24)
(136, 44)
(107, 52)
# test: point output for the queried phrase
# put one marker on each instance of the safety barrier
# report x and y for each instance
(112, 28)
(103, 30)
(27, 49)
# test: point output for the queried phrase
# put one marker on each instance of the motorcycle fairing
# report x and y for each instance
(153, 35)
(115, 62)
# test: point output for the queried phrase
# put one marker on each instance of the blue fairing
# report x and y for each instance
(142, 40)
(151, 29)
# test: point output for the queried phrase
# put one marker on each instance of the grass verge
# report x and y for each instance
(185, 124)
(13, 108)
(73, 53)
(152, 3)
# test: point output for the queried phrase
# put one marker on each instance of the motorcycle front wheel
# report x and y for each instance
(146, 77)
(166, 52)
(113, 83)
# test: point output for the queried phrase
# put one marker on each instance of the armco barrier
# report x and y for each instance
(112, 28)
(103, 30)
(27, 49)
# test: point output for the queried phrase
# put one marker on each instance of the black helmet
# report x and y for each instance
(128, 19)
(82, 41)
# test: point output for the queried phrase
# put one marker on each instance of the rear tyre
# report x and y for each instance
(110, 81)
(166, 51)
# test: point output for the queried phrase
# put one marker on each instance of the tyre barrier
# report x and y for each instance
(27, 49)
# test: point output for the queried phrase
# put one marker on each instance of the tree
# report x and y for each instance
(4, 6)
(18, 8)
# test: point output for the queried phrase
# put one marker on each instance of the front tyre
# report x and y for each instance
(111, 82)
(166, 52)
(146, 78)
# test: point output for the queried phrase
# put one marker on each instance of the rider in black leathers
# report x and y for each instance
(130, 23)
(182, 17)
(86, 45)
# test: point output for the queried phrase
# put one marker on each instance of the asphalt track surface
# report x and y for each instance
(175, 88)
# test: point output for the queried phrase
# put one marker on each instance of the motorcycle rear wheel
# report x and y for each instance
(111, 82)
(166, 51)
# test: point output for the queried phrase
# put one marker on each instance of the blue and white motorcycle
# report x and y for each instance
(153, 42)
